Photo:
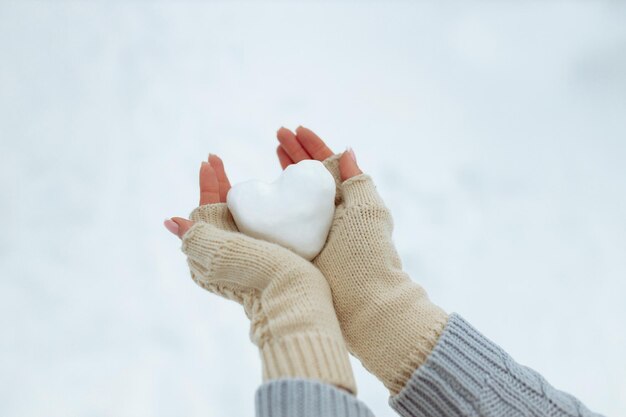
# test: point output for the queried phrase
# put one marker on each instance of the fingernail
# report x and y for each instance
(171, 226)
(204, 163)
(300, 127)
(211, 154)
(351, 152)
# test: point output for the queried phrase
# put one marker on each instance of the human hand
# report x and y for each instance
(387, 320)
(287, 299)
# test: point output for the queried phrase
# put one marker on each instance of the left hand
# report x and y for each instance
(287, 299)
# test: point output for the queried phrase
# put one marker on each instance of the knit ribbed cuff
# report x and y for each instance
(308, 355)
(467, 374)
(216, 214)
(306, 398)
(432, 322)
(450, 381)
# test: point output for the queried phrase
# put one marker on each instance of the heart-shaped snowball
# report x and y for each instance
(295, 211)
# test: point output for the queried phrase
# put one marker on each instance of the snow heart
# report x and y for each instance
(295, 211)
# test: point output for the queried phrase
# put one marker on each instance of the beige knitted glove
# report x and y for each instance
(286, 298)
(387, 319)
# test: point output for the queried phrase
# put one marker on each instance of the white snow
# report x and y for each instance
(295, 211)
(495, 131)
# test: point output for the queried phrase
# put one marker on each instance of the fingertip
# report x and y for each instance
(348, 166)
(283, 158)
(206, 167)
(313, 144)
(282, 131)
(214, 159)
(171, 226)
(207, 175)
(351, 152)
(291, 145)
(183, 225)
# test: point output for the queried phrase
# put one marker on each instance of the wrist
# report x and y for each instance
(393, 334)
(311, 355)
(296, 329)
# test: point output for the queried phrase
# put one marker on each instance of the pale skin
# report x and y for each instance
(292, 148)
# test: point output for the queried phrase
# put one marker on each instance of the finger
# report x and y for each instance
(348, 167)
(291, 145)
(284, 159)
(313, 144)
(222, 179)
(178, 226)
(209, 186)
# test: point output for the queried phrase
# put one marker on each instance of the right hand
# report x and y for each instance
(387, 320)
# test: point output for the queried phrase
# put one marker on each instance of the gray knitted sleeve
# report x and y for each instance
(468, 375)
(306, 398)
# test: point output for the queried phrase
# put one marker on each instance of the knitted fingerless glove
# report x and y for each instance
(387, 319)
(287, 299)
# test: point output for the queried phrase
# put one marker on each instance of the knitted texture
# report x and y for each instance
(306, 398)
(387, 319)
(286, 298)
(468, 375)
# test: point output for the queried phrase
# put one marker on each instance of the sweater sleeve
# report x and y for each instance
(468, 375)
(294, 397)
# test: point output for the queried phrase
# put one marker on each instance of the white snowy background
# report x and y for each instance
(496, 132)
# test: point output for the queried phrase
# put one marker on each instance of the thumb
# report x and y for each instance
(348, 167)
(178, 226)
